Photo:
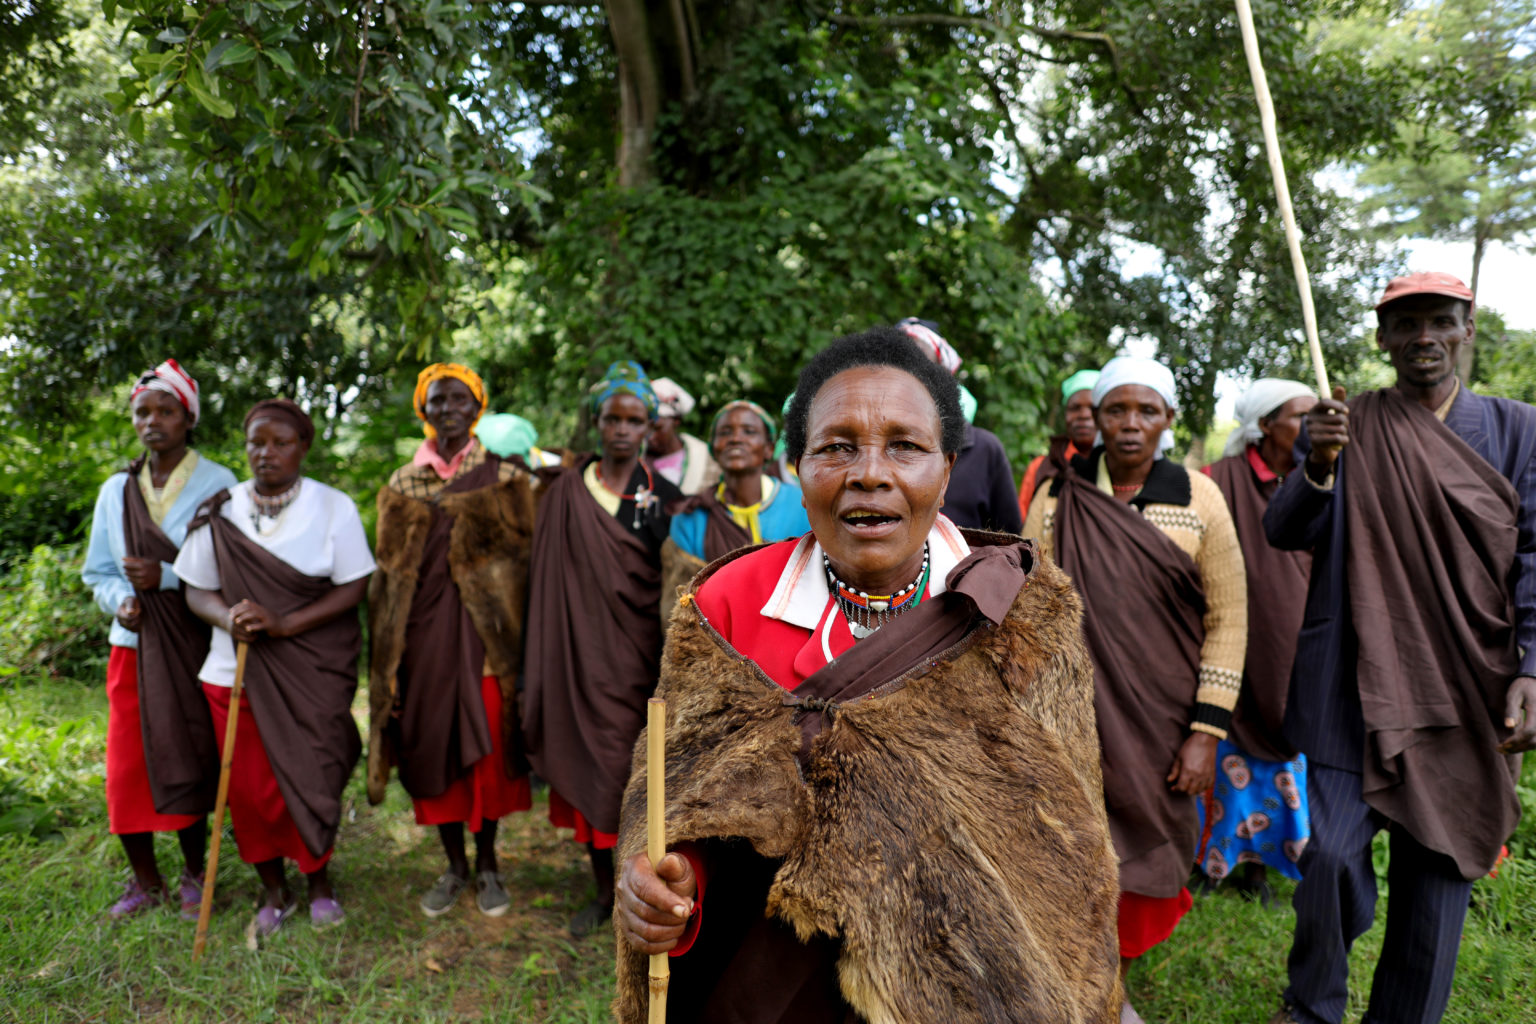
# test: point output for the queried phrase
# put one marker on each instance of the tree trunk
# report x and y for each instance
(640, 89)
(1467, 356)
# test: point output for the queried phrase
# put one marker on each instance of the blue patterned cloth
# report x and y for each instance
(1258, 813)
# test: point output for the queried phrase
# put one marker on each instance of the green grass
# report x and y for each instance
(61, 961)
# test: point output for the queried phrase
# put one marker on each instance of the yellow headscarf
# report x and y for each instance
(440, 371)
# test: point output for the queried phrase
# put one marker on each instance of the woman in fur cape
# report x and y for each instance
(446, 614)
(869, 823)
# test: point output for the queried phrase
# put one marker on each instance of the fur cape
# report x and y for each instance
(488, 557)
(950, 833)
(678, 567)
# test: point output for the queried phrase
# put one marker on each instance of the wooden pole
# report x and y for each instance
(656, 835)
(1282, 191)
(211, 871)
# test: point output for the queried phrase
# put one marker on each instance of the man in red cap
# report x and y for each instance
(1414, 685)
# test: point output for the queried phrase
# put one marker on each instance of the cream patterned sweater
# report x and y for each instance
(1203, 530)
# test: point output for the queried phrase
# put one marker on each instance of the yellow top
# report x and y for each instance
(746, 515)
(160, 500)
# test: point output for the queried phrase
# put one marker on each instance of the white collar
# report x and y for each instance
(801, 595)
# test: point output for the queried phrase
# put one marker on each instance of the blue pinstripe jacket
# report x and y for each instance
(1322, 715)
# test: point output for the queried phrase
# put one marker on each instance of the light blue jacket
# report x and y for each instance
(103, 571)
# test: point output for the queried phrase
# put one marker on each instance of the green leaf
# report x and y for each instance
(216, 105)
(282, 60)
(228, 53)
(173, 36)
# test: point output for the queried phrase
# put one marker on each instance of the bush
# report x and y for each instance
(51, 625)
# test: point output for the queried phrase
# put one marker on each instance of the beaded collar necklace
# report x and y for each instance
(264, 506)
(643, 497)
(868, 612)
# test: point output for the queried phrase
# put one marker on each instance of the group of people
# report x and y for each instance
(1115, 675)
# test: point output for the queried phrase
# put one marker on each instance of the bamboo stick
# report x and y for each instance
(1282, 191)
(656, 836)
(211, 870)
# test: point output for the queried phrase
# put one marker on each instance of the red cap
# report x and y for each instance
(1430, 282)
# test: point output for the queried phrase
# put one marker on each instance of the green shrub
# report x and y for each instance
(49, 622)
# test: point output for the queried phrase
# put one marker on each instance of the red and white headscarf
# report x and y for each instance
(928, 339)
(174, 381)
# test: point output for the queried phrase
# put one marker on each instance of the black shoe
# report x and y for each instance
(591, 917)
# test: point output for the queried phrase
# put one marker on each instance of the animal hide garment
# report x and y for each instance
(488, 551)
(942, 838)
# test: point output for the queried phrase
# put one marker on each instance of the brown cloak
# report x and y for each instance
(1144, 621)
(300, 687)
(1277, 598)
(449, 598)
(926, 813)
(1428, 517)
(594, 642)
(180, 750)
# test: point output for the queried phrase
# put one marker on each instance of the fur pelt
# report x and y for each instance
(951, 833)
(488, 557)
(677, 568)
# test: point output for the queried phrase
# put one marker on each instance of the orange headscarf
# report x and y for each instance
(440, 371)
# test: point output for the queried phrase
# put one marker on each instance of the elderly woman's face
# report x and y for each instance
(275, 452)
(1079, 414)
(1132, 419)
(740, 443)
(160, 421)
(1284, 426)
(873, 474)
(451, 408)
(623, 422)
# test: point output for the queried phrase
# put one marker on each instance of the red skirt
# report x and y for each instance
(264, 830)
(1145, 921)
(484, 793)
(130, 805)
(563, 815)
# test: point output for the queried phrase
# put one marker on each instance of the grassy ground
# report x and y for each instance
(60, 961)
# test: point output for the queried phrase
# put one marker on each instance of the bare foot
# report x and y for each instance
(1128, 1014)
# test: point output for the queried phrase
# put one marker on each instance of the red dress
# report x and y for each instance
(130, 806)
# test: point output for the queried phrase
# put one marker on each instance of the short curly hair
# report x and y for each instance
(879, 346)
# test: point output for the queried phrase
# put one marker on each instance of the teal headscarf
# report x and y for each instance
(506, 433)
(624, 377)
(1082, 380)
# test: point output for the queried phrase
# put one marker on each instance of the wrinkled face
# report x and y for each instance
(622, 422)
(451, 409)
(276, 454)
(160, 421)
(1422, 334)
(1080, 424)
(740, 443)
(1284, 425)
(873, 474)
(1132, 419)
(664, 432)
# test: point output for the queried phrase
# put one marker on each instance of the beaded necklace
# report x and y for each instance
(867, 612)
(264, 506)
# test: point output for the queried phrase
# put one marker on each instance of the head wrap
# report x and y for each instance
(671, 399)
(1082, 380)
(444, 371)
(506, 433)
(742, 403)
(1149, 373)
(923, 332)
(283, 409)
(1264, 398)
(174, 381)
(624, 377)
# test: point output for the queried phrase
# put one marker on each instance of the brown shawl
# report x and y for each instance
(1144, 620)
(448, 600)
(924, 814)
(1277, 599)
(1432, 539)
(300, 687)
(180, 750)
(594, 641)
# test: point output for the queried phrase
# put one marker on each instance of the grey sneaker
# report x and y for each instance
(439, 899)
(490, 897)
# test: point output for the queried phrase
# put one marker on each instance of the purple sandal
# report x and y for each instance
(325, 912)
(269, 919)
(135, 900)
(191, 891)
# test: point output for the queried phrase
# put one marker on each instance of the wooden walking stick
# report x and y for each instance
(1282, 191)
(211, 871)
(656, 835)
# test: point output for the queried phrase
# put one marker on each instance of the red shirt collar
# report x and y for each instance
(1260, 467)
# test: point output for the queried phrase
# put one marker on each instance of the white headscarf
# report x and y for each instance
(1149, 373)
(1266, 397)
(671, 398)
